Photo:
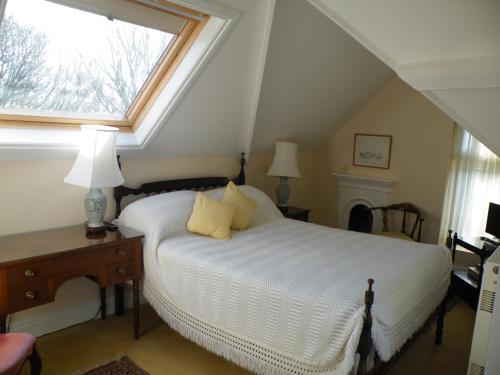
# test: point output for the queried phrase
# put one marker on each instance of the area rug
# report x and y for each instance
(122, 366)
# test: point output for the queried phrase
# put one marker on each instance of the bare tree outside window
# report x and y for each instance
(34, 78)
(116, 80)
(22, 65)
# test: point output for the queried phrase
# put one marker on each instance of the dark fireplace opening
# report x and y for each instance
(360, 219)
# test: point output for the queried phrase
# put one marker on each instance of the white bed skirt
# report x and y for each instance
(242, 352)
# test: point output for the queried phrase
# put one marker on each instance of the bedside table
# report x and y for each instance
(461, 283)
(34, 265)
(296, 213)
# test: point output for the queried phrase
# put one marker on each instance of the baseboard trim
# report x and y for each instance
(59, 319)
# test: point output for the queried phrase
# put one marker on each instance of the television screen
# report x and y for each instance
(493, 221)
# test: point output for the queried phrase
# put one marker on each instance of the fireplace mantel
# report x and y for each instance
(368, 191)
(373, 183)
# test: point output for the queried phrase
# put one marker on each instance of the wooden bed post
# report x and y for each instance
(440, 321)
(450, 241)
(116, 195)
(240, 180)
(365, 340)
(419, 235)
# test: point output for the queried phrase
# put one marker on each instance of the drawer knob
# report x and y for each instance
(30, 294)
(121, 252)
(121, 271)
(29, 273)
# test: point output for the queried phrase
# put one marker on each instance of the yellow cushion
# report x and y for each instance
(399, 235)
(211, 217)
(245, 207)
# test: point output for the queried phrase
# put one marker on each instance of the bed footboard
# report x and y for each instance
(365, 340)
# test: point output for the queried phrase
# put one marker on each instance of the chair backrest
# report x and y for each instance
(409, 213)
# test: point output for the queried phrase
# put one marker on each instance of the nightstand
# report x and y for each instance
(295, 213)
(34, 265)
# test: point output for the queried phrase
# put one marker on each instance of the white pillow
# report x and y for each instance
(163, 214)
(166, 214)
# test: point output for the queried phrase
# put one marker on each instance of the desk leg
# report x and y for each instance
(119, 299)
(135, 291)
(3, 323)
(103, 303)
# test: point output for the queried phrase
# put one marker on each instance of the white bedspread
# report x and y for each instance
(287, 296)
(297, 289)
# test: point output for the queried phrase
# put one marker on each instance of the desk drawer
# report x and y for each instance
(120, 272)
(30, 294)
(45, 269)
(29, 273)
(116, 254)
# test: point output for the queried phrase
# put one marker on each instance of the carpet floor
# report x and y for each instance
(160, 350)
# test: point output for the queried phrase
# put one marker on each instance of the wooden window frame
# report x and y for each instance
(156, 81)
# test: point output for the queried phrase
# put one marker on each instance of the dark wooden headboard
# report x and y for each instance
(196, 184)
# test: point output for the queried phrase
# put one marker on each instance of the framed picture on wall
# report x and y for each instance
(372, 150)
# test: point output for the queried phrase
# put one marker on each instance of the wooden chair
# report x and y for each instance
(15, 350)
(408, 212)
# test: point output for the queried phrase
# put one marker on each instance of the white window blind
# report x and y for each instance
(473, 182)
(131, 12)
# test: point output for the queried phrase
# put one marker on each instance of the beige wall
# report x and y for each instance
(34, 196)
(421, 149)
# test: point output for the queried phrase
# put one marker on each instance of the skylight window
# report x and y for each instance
(92, 60)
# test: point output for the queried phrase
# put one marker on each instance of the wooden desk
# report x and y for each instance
(33, 266)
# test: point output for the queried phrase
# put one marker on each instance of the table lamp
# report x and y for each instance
(284, 165)
(96, 167)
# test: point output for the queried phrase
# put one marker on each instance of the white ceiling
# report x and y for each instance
(448, 49)
(315, 77)
(214, 117)
(407, 31)
(478, 106)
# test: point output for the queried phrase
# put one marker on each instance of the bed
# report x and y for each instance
(283, 296)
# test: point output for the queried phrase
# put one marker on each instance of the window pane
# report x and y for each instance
(60, 61)
(475, 184)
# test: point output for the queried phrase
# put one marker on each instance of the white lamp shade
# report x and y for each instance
(96, 165)
(285, 161)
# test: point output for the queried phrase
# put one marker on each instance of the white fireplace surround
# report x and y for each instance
(368, 191)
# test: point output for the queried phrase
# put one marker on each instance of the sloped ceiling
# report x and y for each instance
(447, 49)
(214, 116)
(316, 75)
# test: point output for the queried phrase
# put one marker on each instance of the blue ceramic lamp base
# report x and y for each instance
(282, 192)
(95, 206)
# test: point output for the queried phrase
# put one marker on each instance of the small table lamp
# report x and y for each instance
(96, 167)
(284, 165)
